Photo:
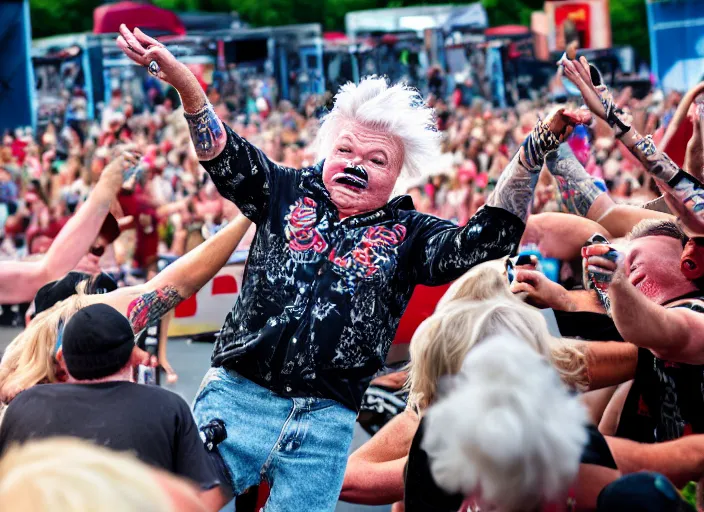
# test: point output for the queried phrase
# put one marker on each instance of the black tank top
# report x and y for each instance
(666, 400)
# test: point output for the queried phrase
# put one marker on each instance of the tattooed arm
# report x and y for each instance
(514, 190)
(73, 241)
(682, 186)
(207, 131)
(586, 196)
(241, 172)
(580, 193)
(144, 303)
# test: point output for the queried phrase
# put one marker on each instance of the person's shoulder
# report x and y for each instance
(157, 394)
(35, 396)
(40, 390)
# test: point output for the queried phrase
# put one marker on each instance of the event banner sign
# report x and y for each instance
(677, 42)
(16, 76)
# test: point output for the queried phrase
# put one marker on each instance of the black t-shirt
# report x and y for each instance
(422, 494)
(153, 423)
(666, 399)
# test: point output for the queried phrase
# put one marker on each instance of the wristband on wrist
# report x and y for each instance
(537, 144)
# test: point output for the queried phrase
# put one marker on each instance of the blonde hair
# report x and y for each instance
(509, 434)
(487, 280)
(29, 358)
(444, 339)
(70, 475)
(397, 109)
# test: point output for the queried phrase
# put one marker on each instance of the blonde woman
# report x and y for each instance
(69, 475)
(439, 348)
(375, 472)
(29, 359)
(442, 341)
(507, 436)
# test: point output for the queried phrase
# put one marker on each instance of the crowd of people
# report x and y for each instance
(561, 370)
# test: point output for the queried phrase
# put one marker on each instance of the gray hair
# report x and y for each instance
(508, 431)
(397, 109)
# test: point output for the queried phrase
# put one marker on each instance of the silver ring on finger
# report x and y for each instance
(154, 68)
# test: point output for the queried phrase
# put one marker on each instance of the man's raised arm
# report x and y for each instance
(20, 281)
(445, 252)
(240, 171)
(683, 187)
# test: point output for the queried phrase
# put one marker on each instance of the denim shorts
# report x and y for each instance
(298, 446)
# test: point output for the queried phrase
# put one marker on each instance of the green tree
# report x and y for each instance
(52, 17)
(629, 26)
(511, 12)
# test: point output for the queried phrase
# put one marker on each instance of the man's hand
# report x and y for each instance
(142, 49)
(597, 97)
(113, 176)
(578, 72)
(562, 121)
(603, 264)
(540, 291)
(395, 380)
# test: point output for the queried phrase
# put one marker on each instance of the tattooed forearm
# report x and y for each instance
(620, 121)
(655, 161)
(514, 190)
(538, 143)
(152, 306)
(690, 193)
(578, 190)
(207, 132)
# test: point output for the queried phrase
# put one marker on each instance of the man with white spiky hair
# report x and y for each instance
(330, 272)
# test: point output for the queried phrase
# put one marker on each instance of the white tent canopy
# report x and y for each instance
(448, 17)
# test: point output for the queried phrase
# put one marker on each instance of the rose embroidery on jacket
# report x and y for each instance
(372, 251)
(301, 231)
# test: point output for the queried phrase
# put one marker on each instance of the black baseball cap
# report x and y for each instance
(56, 291)
(97, 342)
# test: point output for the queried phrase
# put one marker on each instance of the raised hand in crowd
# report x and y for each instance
(74, 239)
(207, 131)
(514, 190)
(541, 292)
(687, 189)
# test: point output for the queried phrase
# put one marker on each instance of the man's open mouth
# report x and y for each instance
(355, 177)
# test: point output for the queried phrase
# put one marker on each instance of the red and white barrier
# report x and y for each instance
(205, 311)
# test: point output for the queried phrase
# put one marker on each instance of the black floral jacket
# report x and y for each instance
(322, 297)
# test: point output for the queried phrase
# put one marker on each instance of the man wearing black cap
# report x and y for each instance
(57, 291)
(100, 401)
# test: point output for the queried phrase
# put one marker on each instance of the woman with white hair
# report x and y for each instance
(332, 268)
(517, 463)
(508, 435)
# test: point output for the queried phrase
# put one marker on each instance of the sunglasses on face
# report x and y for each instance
(98, 251)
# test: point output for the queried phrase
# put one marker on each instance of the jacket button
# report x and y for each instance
(288, 389)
